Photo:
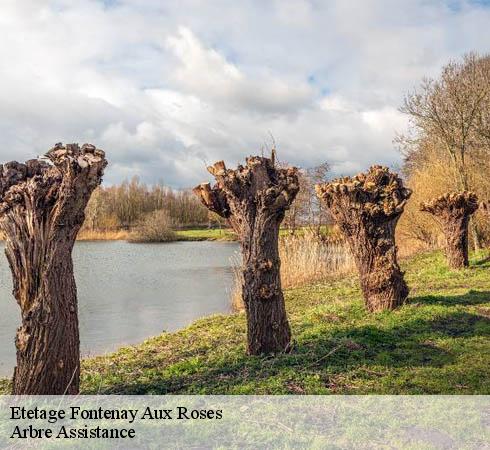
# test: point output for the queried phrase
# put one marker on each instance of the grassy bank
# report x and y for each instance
(198, 234)
(437, 343)
(206, 234)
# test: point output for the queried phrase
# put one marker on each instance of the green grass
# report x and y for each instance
(438, 343)
(324, 230)
(206, 234)
(226, 234)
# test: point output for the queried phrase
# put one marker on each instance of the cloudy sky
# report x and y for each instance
(166, 85)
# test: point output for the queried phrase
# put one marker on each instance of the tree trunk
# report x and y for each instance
(381, 278)
(41, 210)
(48, 355)
(267, 328)
(453, 211)
(367, 208)
(254, 200)
(456, 233)
(477, 245)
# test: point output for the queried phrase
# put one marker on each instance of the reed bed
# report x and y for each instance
(103, 235)
(305, 259)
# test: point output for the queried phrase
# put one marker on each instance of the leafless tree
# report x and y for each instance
(127, 204)
(307, 209)
(299, 212)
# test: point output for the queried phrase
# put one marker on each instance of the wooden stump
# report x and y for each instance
(367, 208)
(254, 199)
(42, 206)
(453, 211)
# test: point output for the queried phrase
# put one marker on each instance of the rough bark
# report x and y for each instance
(485, 208)
(453, 211)
(367, 208)
(254, 199)
(42, 206)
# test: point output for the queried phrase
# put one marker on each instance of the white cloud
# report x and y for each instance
(337, 103)
(298, 13)
(387, 119)
(207, 74)
(163, 87)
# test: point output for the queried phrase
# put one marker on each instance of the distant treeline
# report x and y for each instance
(124, 206)
(128, 205)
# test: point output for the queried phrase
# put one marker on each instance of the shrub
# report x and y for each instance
(156, 226)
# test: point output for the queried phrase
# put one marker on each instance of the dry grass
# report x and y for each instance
(103, 235)
(431, 174)
(304, 259)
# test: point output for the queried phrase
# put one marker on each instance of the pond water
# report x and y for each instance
(129, 292)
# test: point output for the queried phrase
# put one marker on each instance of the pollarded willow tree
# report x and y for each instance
(254, 199)
(453, 211)
(42, 206)
(367, 208)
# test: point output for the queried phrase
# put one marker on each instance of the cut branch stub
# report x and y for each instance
(254, 198)
(453, 211)
(42, 205)
(367, 208)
